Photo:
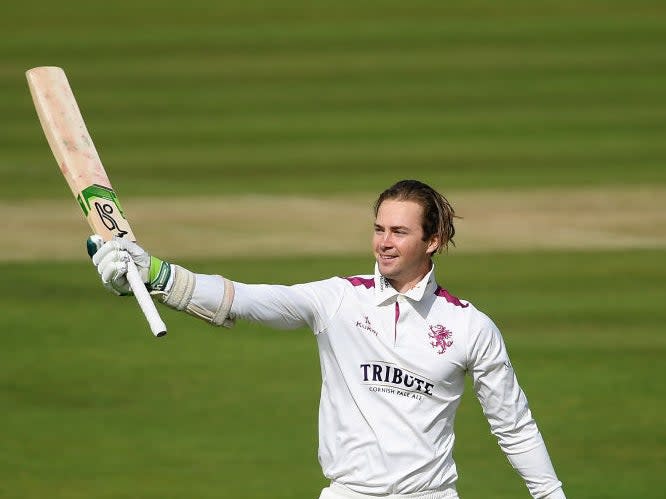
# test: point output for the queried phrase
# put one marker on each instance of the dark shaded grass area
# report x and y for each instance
(328, 97)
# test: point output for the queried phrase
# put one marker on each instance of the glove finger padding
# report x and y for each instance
(111, 259)
(101, 253)
(139, 255)
(114, 273)
(117, 249)
(111, 262)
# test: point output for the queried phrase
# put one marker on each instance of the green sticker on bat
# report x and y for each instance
(105, 203)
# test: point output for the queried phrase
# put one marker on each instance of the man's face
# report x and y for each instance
(401, 253)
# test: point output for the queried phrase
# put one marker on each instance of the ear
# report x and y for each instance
(433, 245)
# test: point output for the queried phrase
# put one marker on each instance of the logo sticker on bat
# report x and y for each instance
(106, 205)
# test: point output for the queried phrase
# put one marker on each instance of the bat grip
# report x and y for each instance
(146, 303)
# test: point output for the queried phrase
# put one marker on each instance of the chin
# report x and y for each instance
(386, 270)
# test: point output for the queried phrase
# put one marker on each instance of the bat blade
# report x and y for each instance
(79, 162)
(75, 152)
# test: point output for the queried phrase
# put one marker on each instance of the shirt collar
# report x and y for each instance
(385, 292)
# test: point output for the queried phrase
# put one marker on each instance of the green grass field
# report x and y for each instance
(316, 98)
(94, 407)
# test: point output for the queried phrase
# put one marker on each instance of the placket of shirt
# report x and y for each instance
(401, 310)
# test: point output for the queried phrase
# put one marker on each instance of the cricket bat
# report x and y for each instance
(79, 162)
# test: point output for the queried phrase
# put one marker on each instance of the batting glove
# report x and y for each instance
(111, 260)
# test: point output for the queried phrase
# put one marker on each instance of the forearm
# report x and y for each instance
(207, 297)
(525, 449)
(220, 301)
(277, 306)
(536, 469)
(520, 439)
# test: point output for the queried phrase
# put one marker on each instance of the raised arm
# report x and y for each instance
(218, 300)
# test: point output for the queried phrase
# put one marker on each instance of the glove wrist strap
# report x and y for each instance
(158, 274)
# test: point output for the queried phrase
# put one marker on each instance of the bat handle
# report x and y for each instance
(146, 303)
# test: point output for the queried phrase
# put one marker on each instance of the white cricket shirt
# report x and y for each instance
(393, 367)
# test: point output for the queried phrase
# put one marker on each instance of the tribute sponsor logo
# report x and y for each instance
(382, 377)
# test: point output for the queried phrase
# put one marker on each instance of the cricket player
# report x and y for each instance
(394, 348)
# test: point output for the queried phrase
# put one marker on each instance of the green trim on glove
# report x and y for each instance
(159, 274)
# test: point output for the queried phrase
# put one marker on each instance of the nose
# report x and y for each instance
(386, 240)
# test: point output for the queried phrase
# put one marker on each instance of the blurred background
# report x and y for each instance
(250, 139)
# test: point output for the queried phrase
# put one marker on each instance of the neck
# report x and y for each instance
(402, 286)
